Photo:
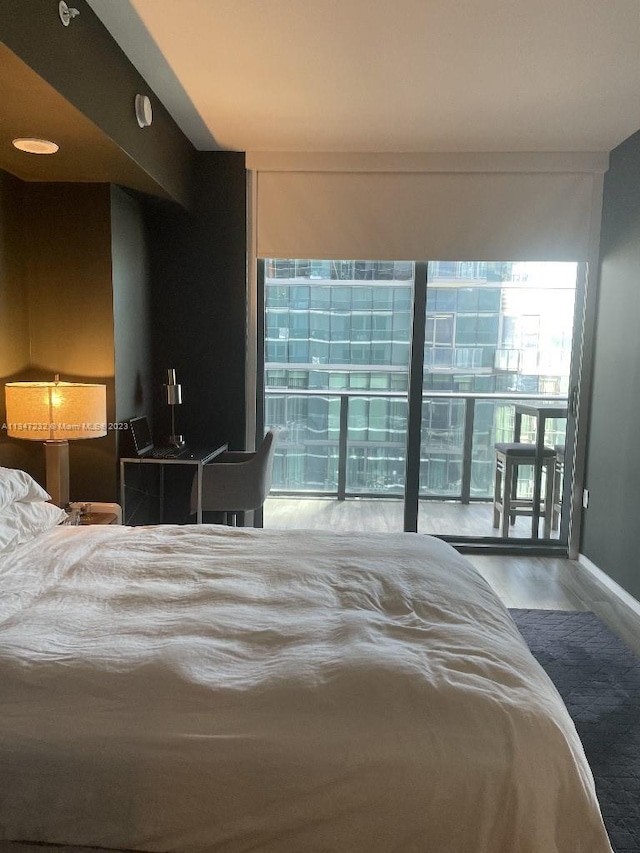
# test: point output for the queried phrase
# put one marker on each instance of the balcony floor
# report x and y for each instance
(441, 518)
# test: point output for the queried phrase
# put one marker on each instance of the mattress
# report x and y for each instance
(203, 689)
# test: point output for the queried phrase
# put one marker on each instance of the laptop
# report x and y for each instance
(143, 442)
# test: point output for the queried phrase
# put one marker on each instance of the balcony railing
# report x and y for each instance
(352, 443)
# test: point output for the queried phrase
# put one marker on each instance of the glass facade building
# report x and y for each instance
(338, 338)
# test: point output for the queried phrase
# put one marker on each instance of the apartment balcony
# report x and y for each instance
(341, 460)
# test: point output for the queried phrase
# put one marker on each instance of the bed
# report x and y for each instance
(202, 689)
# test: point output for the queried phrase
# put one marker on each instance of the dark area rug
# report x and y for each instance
(599, 679)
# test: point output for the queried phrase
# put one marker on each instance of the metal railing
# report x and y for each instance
(457, 440)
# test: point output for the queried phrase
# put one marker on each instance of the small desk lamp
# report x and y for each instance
(55, 412)
(173, 398)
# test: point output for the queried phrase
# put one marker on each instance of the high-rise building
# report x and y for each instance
(340, 329)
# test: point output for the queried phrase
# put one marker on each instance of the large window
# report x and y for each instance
(345, 326)
(338, 338)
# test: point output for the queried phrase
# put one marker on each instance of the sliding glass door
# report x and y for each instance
(336, 375)
(394, 381)
(497, 360)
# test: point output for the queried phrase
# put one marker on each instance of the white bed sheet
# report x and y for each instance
(209, 690)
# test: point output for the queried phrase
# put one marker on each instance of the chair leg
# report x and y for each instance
(513, 479)
(497, 496)
(557, 485)
(510, 471)
(548, 499)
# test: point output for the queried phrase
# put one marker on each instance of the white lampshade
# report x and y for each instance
(54, 412)
(46, 411)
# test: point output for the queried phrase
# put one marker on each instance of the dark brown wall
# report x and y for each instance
(14, 309)
(68, 274)
(98, 279)
(63, 254)
(74, 278)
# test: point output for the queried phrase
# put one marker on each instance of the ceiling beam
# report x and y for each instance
(86, 66)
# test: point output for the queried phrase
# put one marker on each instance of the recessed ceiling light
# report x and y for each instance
(33, 145)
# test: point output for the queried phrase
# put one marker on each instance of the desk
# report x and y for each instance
(541, 412)
(197, 457)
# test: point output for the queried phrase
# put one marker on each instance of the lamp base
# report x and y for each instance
(175, 440)
(57, 459)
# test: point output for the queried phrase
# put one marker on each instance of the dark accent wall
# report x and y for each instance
(105, 285)
(14, 308)
(199, 302)
(74, 279)
(610, 524)
(108, 285)
(65, 261)
(131, 307)
(67, 266)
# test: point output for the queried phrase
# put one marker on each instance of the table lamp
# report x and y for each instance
(173, 398)
(56, 412)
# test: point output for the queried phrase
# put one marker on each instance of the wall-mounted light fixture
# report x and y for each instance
(144, 110)
(66, 14)
(35, 145)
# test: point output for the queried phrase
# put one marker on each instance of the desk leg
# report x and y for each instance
(199, 494)
(122, 493)
(161, 494)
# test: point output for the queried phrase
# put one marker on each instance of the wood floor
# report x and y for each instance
(529, 582)
(439, 518)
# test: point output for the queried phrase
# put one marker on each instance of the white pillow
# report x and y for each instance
(17, 485)
(24, 520)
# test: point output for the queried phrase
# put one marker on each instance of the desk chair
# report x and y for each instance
(509, 457)
(237, 481)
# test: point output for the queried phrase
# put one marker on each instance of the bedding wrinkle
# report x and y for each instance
(202, 689)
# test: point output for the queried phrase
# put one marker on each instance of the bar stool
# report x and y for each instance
(558, 476)
(509, 457)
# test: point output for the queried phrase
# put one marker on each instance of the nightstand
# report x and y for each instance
(94, 512)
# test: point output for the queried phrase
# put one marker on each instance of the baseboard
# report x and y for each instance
(612, 603)
(608, 582)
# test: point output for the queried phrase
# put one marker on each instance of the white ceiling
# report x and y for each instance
(389, 75)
